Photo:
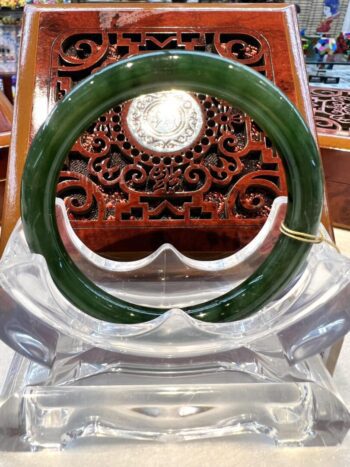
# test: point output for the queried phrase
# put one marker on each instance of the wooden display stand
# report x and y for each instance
(62, 45)
(6, 114)
(332, 117)
(209, 197)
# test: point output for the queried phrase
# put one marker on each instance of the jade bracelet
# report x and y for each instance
(241, 87)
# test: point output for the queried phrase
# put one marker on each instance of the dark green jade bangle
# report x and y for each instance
(191, 71)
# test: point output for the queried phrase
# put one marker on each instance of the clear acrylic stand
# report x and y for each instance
(173, 378)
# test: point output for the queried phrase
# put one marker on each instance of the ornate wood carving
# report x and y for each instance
(210, 195)
(229, 172)
(332, 117)
(332, 110)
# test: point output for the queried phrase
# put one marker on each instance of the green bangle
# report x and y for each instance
(192, 71)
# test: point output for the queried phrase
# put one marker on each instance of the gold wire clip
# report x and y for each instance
(307, 238)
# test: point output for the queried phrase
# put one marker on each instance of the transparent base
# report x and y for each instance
(87, 381)
(235, 393)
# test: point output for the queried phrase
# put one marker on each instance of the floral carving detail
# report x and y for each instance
(223, 170)
(332, 110)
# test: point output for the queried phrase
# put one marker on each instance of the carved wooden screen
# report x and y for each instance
(332, 118)
(210, 191)
(228, 173)
(332, 111)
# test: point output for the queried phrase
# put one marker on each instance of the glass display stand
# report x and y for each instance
(173, 378)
